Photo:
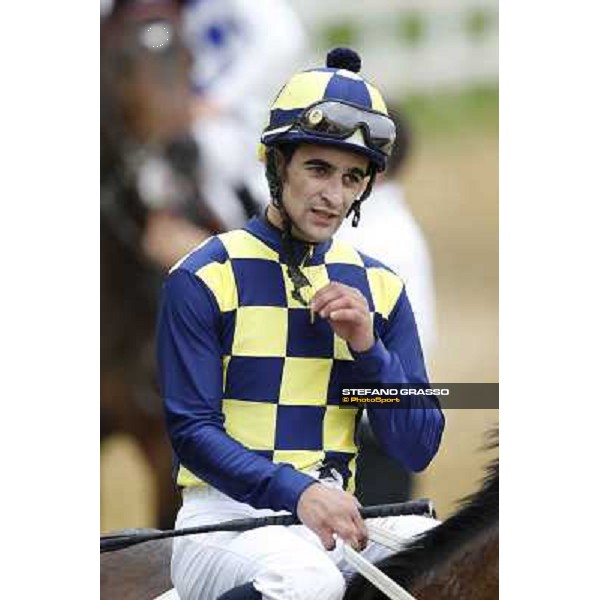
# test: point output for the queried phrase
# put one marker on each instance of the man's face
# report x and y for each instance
(320, 185)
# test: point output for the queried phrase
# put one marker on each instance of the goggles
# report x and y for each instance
(339, 120)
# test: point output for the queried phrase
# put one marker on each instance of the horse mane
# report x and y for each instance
(478, 513)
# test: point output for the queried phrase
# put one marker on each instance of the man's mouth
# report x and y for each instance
(324, 215)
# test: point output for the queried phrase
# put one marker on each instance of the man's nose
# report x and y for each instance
(333, 191)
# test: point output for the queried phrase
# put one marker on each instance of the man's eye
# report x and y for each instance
(353, 179)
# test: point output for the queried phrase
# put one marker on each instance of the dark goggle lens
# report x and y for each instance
(342, 120)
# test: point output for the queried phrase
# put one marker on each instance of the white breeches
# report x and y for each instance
(284, 563)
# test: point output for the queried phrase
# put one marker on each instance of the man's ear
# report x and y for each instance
(281, 163)
(363, 186)
(364, 183)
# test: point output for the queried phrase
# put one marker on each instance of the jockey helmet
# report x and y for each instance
(334, 106)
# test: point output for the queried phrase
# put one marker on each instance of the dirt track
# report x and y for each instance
(452, 187)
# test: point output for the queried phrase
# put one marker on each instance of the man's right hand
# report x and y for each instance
(327, 511)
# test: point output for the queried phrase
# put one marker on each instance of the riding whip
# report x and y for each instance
(109, 543)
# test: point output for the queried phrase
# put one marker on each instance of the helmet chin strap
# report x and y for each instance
(356, 205)
(292, 262)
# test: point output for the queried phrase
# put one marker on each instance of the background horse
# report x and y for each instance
(149, 167)
(138, 573)
(457, 560)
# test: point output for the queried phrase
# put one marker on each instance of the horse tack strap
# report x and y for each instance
(379, 579)
(168, 595)
(385, 538)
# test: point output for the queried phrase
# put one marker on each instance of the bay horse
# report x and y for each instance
(457, 560)
(149, 168)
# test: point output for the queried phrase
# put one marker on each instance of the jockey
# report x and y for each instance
(259, 328)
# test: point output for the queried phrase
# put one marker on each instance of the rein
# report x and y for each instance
(378, 578)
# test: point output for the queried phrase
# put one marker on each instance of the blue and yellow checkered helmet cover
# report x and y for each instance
(311, 86)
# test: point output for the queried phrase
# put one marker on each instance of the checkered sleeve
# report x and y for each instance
(191, 377)
(410, 434)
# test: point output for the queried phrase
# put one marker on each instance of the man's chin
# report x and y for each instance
(316, 235)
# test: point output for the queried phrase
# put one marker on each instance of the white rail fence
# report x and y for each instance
(409, 45)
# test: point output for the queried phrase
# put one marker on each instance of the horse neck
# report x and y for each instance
(449, 556)
(471, 573)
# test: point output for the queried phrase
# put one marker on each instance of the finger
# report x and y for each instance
(336, 304)
(350, 315)
(327, 539)
(361, 543)
(331, 291)
(363, 533)
(324, 295)
(355, 513)
(353, 543)
(349, 532)
(358, 534)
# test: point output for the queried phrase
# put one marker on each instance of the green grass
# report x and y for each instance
(410, 28)
(341, 34)
(449, 114)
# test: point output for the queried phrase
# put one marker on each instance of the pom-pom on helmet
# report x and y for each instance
(334, 106)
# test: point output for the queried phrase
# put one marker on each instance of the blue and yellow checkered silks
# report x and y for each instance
(311, 86)
(280, 372)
